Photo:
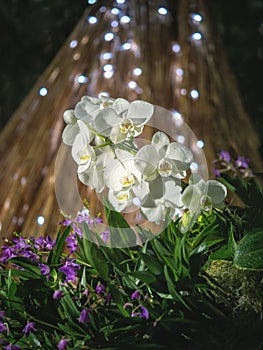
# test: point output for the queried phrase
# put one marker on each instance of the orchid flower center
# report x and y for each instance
(127, 126)
(105, 104)
(84, 156)
(122, 197)
(127, 180)
(206, 203)
(165, 168)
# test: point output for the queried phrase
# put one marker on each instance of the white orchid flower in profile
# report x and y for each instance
(203, 195)
(123, 119)
(89, 107)
(124, 181)
(164, 198)
(94, 175)
(82, 152)
(162, 158)
(85, 110)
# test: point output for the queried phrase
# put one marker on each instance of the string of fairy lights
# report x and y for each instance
(119, 18)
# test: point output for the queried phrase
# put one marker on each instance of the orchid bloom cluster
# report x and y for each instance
(226, 164)
(102, 133)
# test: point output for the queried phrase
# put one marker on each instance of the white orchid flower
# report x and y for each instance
(163, 158)
(123, 119)
(93, 176)
(85, 110)
(124, 181)
(203, 195)
(164, 197)
(89, 107)
(82, 152)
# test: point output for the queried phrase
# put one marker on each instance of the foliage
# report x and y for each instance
(72, 293)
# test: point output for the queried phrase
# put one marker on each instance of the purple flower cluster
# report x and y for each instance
(225, 164)
(29, 248)
(70, 269)
(139, 310)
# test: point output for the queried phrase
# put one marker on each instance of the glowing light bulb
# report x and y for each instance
(108, 36)
(43, 91)
(107, 56)
(126, 46)
(103, 93)
(197, 36)
(194, 166)
(108, 67)
(183, 92)
(162, 11)
(180, 138)
(196, 17)
(125, 19)
(132, 84)
(176, 48)
(120, 1)
(103, 9)
(194, 94)
(200, 144)
(115, 11)
(179, 71)
(73, 44)
(40, 220)
(92, 19)
(108, 74)
(82, 79)
(137, 71)
(114, 24)
(91, 2)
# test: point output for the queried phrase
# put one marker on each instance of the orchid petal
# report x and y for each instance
(69, 134)
(140, 112)
(120, 105)
(146, 160)
(87, 108)
(179, 153)
(216, 191)
(106, 120)
(69, 117)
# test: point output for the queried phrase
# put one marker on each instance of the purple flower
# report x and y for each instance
(107, 299)
(62, 345)
(67, 222)
(100, 289)
(29, 327)
(136, 295)
(216, 172)
(2, 314)
(2, 327)
(143, 314)
(86, 292)
(45, 270)
(84, 316)
(12, 347)
(72, 242)
(225, 156)
(105, 235)
(7, 253)
(58, 294)
(70, 270)
(242, 162)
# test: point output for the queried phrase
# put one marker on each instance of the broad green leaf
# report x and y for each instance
(249, 251)
(28, 266)
(55, 253)
(144, 276)
(151, 262)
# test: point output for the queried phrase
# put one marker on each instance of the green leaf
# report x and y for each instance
(249, 251)
(27, 265)
(55, 253)
(226, 252)
(121, 233)
(144, 276)
(153, 264)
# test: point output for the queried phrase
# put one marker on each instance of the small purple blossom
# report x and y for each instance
(86, 292)
(2, 314)
(62, 345)
(84, 316)
(216, 172)
(12, 347)
(45, 270)
(242, 162)
(107, 299)
(67, 222)
(72, 242)
(136, 295)
(105, 235)
(42, 243)
(7, 253)
(127, 305)
(2, 327)
(100, 288)
(70, 269)
(29, 327)
(143, 314)
(225, 156)
(58, 294)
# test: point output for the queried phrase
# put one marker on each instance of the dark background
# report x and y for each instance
(32, 31)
